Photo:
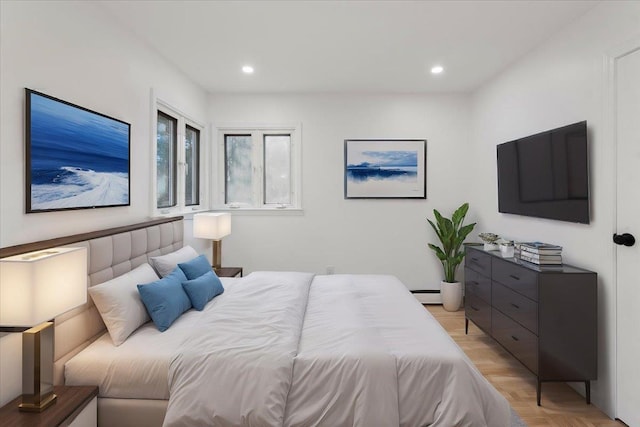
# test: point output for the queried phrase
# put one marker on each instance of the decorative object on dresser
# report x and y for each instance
(546, 317)
(76, 406)
(506, 249)
(489, 240)
(34, 288)
(541, 253)
(451, 234)
(213, 226)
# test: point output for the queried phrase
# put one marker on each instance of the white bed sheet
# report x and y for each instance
(368, 355)
(371, 355)
(139, 367)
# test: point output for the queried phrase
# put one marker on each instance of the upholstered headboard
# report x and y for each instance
(110, 253)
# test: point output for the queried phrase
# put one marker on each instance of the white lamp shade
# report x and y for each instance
(212, 226)
(39, 286)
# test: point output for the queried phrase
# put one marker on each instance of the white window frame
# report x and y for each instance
(257, 131)
(183, 120)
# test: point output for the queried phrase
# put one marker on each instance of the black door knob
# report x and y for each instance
(624, 239)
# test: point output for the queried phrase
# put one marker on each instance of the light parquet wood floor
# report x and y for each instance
(561, 405)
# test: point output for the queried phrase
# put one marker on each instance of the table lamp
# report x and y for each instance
(34, 288)
(212, 226)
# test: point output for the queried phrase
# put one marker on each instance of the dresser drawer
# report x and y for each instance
(479, 261)
(516, 277)
(516, 339)
(477, 284)
(519, 308)
(478, 311)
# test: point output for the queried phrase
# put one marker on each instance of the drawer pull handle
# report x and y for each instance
(515, 338)
(473, 282)
(474, 308)
(516, 306)
(474, 259)
(514, 277)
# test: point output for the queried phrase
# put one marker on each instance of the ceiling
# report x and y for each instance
(344, 46)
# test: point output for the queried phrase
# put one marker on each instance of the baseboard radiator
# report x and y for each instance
(427, 296)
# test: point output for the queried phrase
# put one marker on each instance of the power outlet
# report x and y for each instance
(331, 269)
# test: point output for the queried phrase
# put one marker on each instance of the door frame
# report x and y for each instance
(610, 117)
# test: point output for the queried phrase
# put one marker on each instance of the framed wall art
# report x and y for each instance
(75, 158)
(385, 168)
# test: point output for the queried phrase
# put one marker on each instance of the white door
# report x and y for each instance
(628, 221)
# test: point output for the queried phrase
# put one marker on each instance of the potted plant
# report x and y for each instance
(451, 234)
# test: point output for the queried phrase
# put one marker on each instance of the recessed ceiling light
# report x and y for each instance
(247, 69)
(437, 69)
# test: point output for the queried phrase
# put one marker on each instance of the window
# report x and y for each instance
(178, 157)
(259, 168)
(166, 163)
(192, 166)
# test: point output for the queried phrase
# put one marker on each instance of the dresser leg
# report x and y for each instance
(587, 389)
(539, 391)
(466, 326)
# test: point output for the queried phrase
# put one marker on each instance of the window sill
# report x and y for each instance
(161, 213)
(260, 211)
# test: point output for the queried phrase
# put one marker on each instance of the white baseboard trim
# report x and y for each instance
(428, 296)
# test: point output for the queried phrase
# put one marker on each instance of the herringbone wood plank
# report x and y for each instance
(561, 405)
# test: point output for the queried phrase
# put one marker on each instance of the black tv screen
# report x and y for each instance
(546, 175)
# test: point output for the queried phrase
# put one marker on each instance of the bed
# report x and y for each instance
(276, 348)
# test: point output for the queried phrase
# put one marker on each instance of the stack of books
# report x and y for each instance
(541, 253)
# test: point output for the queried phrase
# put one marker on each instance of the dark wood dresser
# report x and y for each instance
(546, 317)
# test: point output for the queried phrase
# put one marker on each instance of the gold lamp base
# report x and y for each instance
(35, 407)
(216, 255)
(37, 368)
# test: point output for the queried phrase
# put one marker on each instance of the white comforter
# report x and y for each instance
(287, 349)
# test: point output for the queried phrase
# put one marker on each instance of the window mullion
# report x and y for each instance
(181, 163)
(256, 141)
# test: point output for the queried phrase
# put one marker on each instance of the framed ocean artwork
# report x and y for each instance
(75, 158)
(385, 169)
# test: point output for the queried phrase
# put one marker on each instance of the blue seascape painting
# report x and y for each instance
(77, 158)
(384, 165)
(385, 168)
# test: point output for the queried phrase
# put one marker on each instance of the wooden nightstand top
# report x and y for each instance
(70, 402)
(229, 271)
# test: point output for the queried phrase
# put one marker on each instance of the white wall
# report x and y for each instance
(354, 236)
(560, 83)
(76, 52)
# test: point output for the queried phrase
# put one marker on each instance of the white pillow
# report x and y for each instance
(165, 264)
(119, 304)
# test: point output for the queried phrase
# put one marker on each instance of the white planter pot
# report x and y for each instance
(451, 294)
(491, 247)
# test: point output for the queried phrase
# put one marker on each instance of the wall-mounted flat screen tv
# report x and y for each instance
(546, 175)
(75, 158)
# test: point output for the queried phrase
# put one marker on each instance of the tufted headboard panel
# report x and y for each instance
(110, 253)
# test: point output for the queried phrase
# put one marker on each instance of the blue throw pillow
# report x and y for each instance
(165, 299)
(196, 267)
(203, 289)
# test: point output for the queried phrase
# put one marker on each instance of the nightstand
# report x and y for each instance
(229, 272)
(74, 407)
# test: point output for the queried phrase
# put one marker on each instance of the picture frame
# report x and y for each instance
(385, 169)
(76, 158)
